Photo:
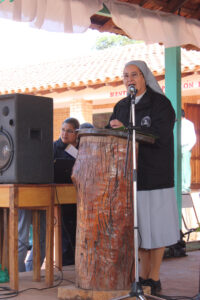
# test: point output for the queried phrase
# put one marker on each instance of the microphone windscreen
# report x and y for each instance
(132, 90)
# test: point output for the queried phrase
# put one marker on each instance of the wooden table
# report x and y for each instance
(63, 194)
(35, 197)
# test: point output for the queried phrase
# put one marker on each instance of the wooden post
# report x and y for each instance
(36, 245)
(58, 237)
(49, 240)
(173, 92)
(13, 238)
(105, 237)
(5, 250)
(1, 235)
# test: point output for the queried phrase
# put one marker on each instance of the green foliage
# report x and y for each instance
(112, 40)
(4, 276)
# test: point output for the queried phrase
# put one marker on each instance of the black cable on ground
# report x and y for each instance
(6, 293)
(9, 293)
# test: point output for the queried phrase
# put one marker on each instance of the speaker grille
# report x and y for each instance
(6, 150)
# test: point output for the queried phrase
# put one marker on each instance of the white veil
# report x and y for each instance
(148, 75)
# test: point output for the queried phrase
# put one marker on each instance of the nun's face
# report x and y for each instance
(133, 75)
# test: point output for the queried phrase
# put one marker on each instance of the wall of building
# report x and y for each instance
(101, 120)
(59, 115)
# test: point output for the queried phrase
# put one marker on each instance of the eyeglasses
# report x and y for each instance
(67, 130)
(133, 75)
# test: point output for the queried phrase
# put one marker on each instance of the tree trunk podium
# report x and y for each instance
(105, 237)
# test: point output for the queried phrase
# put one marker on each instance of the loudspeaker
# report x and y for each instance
(26, 139)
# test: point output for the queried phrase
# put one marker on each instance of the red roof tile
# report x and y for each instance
(103, 66)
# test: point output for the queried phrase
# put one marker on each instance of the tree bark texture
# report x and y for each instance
(104, 237)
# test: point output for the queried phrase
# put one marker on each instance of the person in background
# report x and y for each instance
(24, 224)
(188, 140)
(86, 125)
(157, 208)
(65, 148)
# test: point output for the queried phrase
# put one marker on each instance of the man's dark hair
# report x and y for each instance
(74, 122)
(183, 113)
(86, 125)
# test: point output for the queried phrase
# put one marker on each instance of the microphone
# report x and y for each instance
(132, 90)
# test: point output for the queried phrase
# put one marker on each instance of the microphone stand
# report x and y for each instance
(136, 289)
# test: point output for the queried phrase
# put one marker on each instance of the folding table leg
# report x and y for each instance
(49, 241)
(13, 238)
(5, 248)
(36, 245)
(58, 237)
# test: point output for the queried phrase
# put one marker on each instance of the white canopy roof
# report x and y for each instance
(74, 16)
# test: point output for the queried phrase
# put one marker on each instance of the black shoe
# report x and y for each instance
(142, 280)
(155, 285)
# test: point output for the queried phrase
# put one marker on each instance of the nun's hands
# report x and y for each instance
(116, 123)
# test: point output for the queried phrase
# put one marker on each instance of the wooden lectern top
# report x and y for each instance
(140, 137)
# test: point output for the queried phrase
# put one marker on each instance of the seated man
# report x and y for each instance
(65, 150)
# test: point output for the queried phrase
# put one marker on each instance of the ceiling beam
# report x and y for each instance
(195, 14)
(107, 26)
(143, 2)
(170, 6)
(161, 4)
(175, 5)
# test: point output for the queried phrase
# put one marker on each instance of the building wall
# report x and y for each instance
(101, 120)
(195, 99)
(59, 115)
(81, 110)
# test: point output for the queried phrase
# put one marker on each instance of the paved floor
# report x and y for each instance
(179, 277)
